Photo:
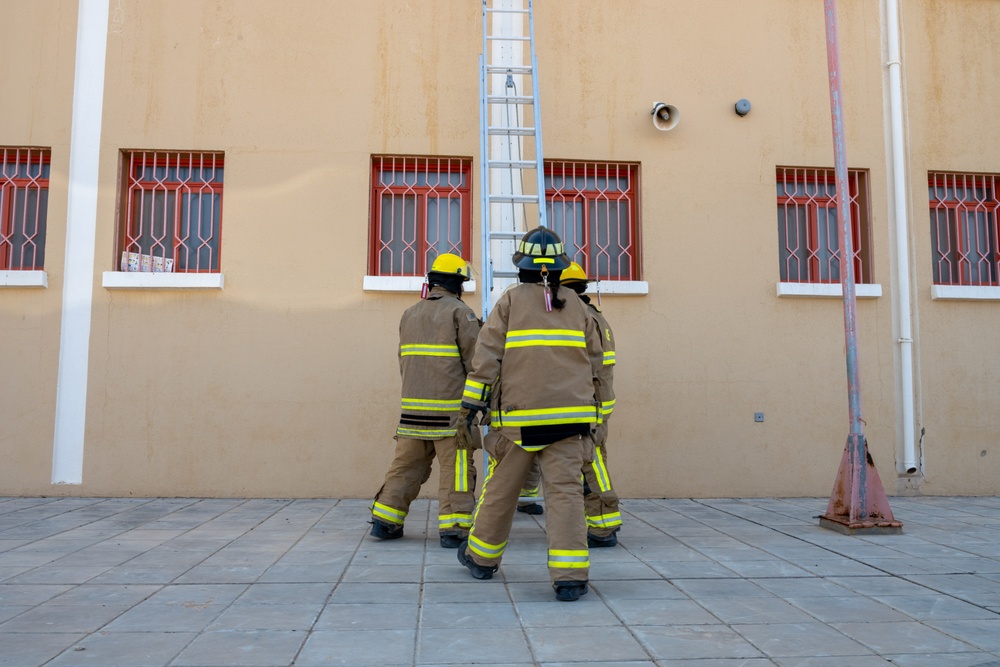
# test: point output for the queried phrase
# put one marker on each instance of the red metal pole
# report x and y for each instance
(858, 500)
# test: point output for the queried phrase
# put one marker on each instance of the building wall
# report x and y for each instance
(285, 382)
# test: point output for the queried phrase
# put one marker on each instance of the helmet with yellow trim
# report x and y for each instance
(451, 265)
(541, 247)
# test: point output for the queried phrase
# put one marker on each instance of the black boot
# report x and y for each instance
(531, 508)
(596, 542)
(386, 531)
(570, 591)
(451, 540)
(478, 571)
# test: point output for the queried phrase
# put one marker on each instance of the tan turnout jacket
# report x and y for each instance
(437, 338)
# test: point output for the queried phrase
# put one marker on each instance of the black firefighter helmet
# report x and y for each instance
(541, 247)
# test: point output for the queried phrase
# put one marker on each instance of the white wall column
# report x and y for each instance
(81, 228)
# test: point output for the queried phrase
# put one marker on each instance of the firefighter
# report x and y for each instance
(604, 520)
(547, 405)
(437, 338)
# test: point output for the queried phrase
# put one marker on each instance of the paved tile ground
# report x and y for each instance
(694, 583)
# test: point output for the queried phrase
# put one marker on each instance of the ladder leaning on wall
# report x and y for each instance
(510, 145)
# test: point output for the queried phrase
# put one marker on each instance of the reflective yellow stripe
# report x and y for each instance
(601, 471)
(491, 466)
(545, 338)
(462, 470)
(530, 493)
(421, 350)
(534, 249)
(607, 407)
(609, 358)
(584, 414)
(605, 520)
(387, 513)
(426, 433)
(569, 558)
(431, 404)
(480, 548)
(459, 519)
(475, 391)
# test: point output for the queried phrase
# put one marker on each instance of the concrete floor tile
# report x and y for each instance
(445, 646)
(706, 642)
(30, 594)
(124, 649)
(833, 609)
(638, 590)
(242, 649)
(468, 615)
(739, 611)
(721, 588)
(375, 616)
(24, 650)
(249, 617)
(175, 617)
(661, 612)
(984, 634)
(47, 617)
(814, 639)
(911, 636)
(945, 660)
(588, 611)
(286, 593)
(931, 607)
(585, 644)
(358, 648)
(352, 593)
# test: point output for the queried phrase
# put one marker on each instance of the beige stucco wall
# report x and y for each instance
(285, 382)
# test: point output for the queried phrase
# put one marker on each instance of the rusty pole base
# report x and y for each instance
(858, 504)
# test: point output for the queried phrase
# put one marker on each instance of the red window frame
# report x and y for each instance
(964, 228)
(24, 175)
(171, 211)
(605, 196)
(406, 192)
(811, 192)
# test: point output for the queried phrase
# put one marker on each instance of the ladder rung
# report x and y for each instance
(508, 234)
(512, 131)
(511, 164)
(508, 69)
(514, 199)
(499, 38)
(491, 10)
(509, 99)
(505, 274)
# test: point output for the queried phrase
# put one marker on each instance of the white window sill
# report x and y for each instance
(828, 290)
(24, 279)
(620, 287)
(965, 292)
(130, 280)
(404, 284)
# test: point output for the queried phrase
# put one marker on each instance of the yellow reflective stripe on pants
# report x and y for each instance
(387, 513)
(545, 338)
(480, 548)
(605, 520)
(601, 471)
(563, 558)
(419, 350)
(459, 520)
(426, 434)
(462, 470)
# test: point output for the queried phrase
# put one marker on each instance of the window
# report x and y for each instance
(171, 212)
(24, 203)
(593, 206)
(421, 207)
(809, 228)
(964, 229)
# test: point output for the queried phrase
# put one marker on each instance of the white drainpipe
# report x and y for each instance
(909, 459)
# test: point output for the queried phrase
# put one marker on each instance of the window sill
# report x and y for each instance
(24, 279)
(965, 292)
(129, 280)
(404, 284)
(638, 287)
(828, 290)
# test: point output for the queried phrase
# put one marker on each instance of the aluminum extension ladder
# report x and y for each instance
(510, 146)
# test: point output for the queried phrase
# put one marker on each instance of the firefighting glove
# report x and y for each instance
(463, 436)
(469, 411)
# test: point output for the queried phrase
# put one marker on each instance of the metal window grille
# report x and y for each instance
(809, 229)
(593, 206)
(24, 203)
(963, 209)
(421, 207)
(171, 213)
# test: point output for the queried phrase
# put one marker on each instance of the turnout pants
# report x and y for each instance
(411, 467)
(565, 526)
(603, 516)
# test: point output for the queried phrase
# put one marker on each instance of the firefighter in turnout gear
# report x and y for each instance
(604, 520)
(547, 404)
(437, 337)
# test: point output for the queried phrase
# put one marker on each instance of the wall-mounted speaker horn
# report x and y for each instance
(665, 116)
